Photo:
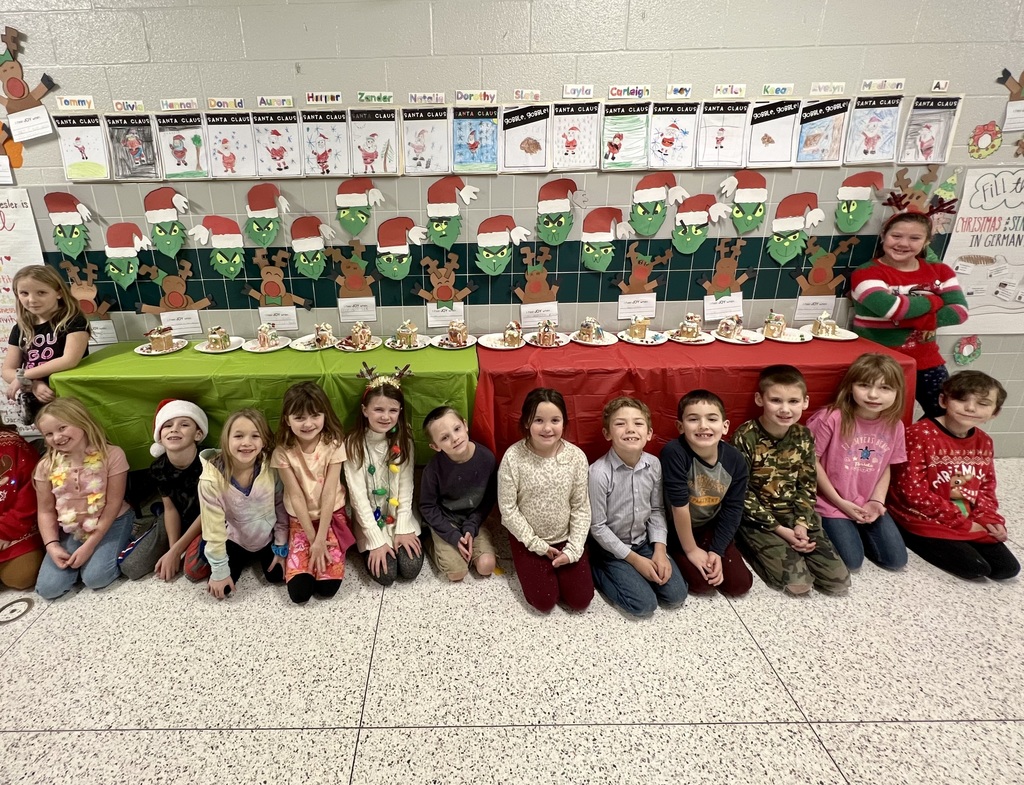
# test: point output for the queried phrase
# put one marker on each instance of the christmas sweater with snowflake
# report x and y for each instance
(901, 309)
(947, 483)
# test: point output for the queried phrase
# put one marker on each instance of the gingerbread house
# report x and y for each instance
(217, 339)
(731, 327)
(458, 333)
(825, 325)
(361, 336)
(637, 329)
(323, 336)
(405, 335)
(774, 325)
(266, 336)
(590, 331)
(161, 339)
(513, 335)
(690, 328)
(547, 335)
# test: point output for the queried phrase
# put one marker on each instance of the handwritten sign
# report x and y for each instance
(19, 241)
(439, 317)
(809, 307)
(631, 305)
(182, 322)
(6, 175)
(357, 309)
(532, 314)
(284, 318)
(722, 308)
(30, 124)
(101, 332)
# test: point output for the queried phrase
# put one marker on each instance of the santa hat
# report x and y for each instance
(65, 209)
(274, 132)
(575, 128)
(442, 196)
(658, 187)
(263, 201)
(858, 187)
(499, 230)
(554, 197)
(164, 204)
(223, 231)
(358, 192)
(789, 215)
(392, 234)
(700, 209)
(745, 187)
(170, 408)
(124, 241)
(309, 233)
(673, 127)
(603, 225)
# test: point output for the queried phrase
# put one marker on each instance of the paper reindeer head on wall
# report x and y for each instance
(17, 96)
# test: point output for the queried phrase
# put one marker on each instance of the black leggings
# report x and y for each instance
(303, 586)
(239, 558)
(969, 560)
(404, 567)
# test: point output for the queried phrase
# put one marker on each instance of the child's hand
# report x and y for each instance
(466, 547)
(855, 512)
(167, 566)
(713, 569)
(560, 561)
(553, 552)
(78, 559)
(60, 556)
(221, 589)
(13, 389)
(411, 543)
(800, 532)
(699, 558)
(277, 561)
(662, 565)
(318, 555)
(42, 391)
(997, 530)
(377, 559)
(646, 567)
(798, 544)
(874, 509)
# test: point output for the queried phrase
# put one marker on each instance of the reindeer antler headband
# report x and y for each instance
(375, 380)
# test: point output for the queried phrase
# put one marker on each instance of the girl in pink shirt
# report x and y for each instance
(856, 440)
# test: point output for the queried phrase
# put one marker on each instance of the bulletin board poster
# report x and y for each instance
(986, 250)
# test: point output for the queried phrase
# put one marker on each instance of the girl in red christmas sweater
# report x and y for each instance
(900, 300)
(21, 548)
(944, 497)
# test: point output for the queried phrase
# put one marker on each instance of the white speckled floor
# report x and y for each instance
(913, 678)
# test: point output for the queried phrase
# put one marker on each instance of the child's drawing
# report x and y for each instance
(325, 143)
(672, 136)
(475, 139)
(427, 134)
(232, 144)
(575, 131)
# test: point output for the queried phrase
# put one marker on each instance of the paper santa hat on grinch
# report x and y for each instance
(394, 234)
(556, 196)
(263, 202)
(442, 196)
(219, 231)
(358, 192)
(500, 230)
(789, 215)
(124, 241)
(164, 204)
(65, 209)
(745, 187)
(603, 225)
(167, 410)
(859, 186)
(309, 233)
(658, 187)
(700, 209)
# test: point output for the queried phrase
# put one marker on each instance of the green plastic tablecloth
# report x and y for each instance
(122, 388)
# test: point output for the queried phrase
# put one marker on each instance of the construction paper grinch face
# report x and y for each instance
(647, 217)
(228, 261)
(310, 263)
(554, 228)
(71, 240)
(394, 265)
(747, 216)
(494, 260)
(853, 214)
(123, 272)
(444, 231)
(168, 237)
(784, 247)
(354, 219)
(262, 231)
(597, 256)
(687, 239)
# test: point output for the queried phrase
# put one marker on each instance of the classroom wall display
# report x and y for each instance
(394, 257)
(374, 141)
(83, 147)
(124, 241)
(651, 199)
(871, 135)
(173, 286)
(426, 135)
(264, 204)
(537, 288)
(277, 144)
(822, 132)
(525, 135)
(475, 139)
(601, 227)
(985, 139)
(309, 236)
(27, 118)
(576, 133)
(163, 208)
(857, 197)
(794, 215)
(444, 222)
(355, 201)
(1013, 119)
(132, 150)
(555, 201)
(69, 218)
(183, 148)
(495, 237)
(233, 144)
(325, 146)
(624, 136)
(928, 136)
(673, 135)
(772, 136)
(693, 217)
(749, 192)
(228, 255)
(986, 250)
(722, 133)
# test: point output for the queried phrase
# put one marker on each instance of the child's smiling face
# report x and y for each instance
(245, 442)
(180, 433)
(61, 436)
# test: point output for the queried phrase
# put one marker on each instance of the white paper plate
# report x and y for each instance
(841, 334)
(345, 344)
(441, 342)
(306, 344)
(561, 339)
(608, 339)
(653, 338)
(422, 342)
(791, 335)
(146, 351)
(746, 337)
(236, 343)
(705, 338)
(494, 341)
(253, 345)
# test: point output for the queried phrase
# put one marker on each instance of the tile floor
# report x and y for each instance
(913, 678)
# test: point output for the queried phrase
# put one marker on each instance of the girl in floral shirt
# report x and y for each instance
(83, 517)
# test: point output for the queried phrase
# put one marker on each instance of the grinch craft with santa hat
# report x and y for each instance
(749, 192)
(650, 202)
(162, 206)
(228, 256)
(856, 200)
(692, 220)
(308, 235)
(793, 217)
(554, 210)
(444, 224)
(394, 259)
(600, 228)
(264, 206)
(494, 240)
(124, 241)
(68, 216)
(355, 202)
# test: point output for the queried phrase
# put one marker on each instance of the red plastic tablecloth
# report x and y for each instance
(588, 377)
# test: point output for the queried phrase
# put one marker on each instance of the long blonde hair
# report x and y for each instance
(224, 462)
(868, 369)
(67, 306)
(73, 412)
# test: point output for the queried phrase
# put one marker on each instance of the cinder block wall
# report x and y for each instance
(152, 49)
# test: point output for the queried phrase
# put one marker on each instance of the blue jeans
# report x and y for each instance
(101, 569)
(627, 589)
(880, 539)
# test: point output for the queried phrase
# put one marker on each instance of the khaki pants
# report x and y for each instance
(449, 561)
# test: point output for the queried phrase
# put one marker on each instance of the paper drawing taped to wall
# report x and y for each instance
(374, 141)
(83, 147)
(929, 133)
(672, 137)
(524, 138)
(871, 135)
(232, 143)
(277, 144)
(575, 133)
(721, 133)
(475, 139)
(426, 134)
(773, 133)
(181, 142)
(624, 136)
(131, 147)
(822, 132)
(325, 143)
